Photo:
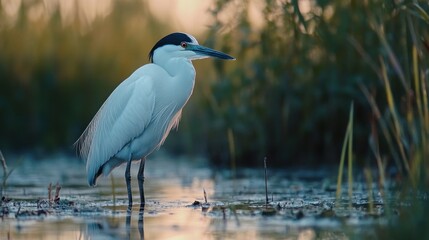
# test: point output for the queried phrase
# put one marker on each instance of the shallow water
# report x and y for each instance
(302, 203)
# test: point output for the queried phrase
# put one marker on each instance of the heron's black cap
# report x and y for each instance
(171, 39)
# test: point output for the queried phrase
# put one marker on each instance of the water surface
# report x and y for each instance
(302, 203)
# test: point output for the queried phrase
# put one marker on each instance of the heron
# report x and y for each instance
(137, 117)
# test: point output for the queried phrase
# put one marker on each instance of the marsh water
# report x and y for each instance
(301, 205)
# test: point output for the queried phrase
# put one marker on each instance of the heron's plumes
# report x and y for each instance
(83, 144)
(167, 119)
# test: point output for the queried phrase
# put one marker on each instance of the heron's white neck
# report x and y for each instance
(180, 68)
(183, 77)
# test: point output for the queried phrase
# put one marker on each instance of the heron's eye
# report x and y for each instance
(183, 44)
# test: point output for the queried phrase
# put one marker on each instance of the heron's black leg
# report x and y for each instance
(128, 181)
(140, 177)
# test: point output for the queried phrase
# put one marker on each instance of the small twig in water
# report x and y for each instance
(237, 221)
(57, 193)
(19, 209)
(3, 163)
(49, 193)
(205, 195)
(223, 213)
(266, 184)
(205, 206)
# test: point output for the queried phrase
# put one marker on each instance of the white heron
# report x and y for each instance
(138, 115)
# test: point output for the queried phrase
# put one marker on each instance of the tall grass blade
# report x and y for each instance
(369, 180)
(341, 167)
(421, 12)
(6, 174)
(375, 148)
(350, 152)
(391, 55)
(397, 128)
(347, 147)
(383, 126)
(415, 168)
(425, 104)
(232, 153)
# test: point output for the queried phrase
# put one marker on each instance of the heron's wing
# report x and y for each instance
(124, 116)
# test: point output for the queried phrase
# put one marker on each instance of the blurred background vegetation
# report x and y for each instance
(300, 64)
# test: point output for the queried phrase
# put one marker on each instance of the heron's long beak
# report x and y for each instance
(208, 52)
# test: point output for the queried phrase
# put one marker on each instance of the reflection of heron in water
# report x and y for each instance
(108, 228)
(140, 224)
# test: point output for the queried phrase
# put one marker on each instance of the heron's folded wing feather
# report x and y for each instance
(124, 116)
